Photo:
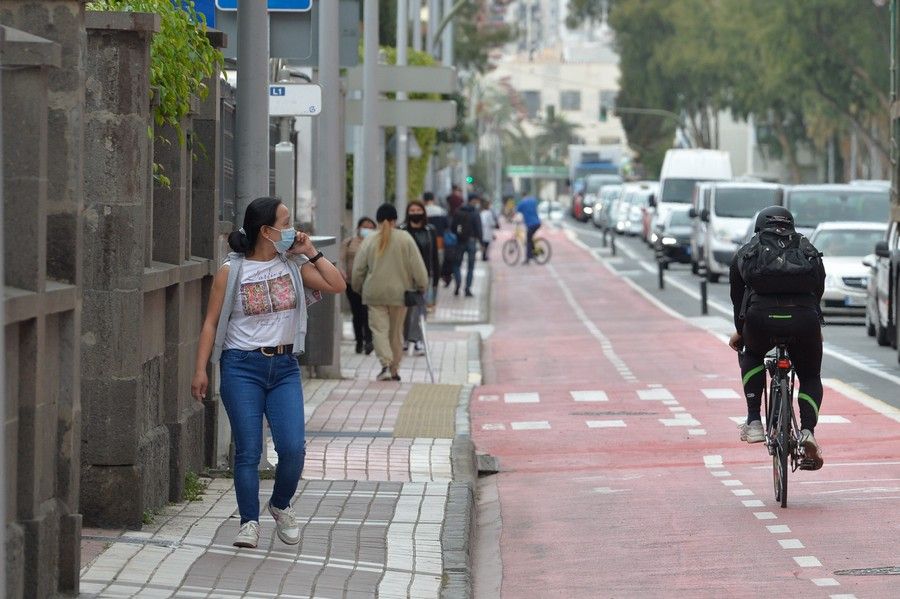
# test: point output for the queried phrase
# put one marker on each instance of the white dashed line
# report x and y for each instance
(654, 385)
(688, 420)
(697, 432)
(732, 482)
(531, 425)
(720, 394)
(722, 473)
(605, 423)
(655, 394)
(826, 582)
(753, 503)
(712, 461)
(738, 419)
(493, 427)
(844, 596)
(832, 419)
(677, 409)
(670, 402)
(488, 397)
(778, 529)
(591, 396)
(790, 543)
(765, 516)
(742, 492)
(521, 398)
(807, 561)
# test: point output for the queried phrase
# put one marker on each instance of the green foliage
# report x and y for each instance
(147, 517)
(473, 42)
(181, 55)
(194, 487)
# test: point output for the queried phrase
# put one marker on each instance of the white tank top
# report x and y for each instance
(265, 307)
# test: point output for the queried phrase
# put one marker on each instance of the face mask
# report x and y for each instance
(416, 218)
(365, 232)
(288, 237)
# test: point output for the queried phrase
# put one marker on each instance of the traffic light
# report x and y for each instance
(470, 180)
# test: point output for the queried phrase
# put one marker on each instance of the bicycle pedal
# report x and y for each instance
(807, 464)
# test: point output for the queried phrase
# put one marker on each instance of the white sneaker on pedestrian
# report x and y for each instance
(419, 349)
(286, 524)
(753, 432)
(812, 454)
(384, 375)
(248, 535)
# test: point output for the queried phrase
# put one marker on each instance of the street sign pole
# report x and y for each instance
(447, 40)
(252, 126)
(434, 19)
(331, 202)
(417, 25)
(401, 159)
(372, 188)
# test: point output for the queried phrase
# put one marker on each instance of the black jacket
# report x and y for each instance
(474, 215)
(426, 239)
(739, 288)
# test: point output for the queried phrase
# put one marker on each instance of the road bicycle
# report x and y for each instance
(782, 430)
(514, 249)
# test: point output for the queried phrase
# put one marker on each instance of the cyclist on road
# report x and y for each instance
(777, 281)
(528, 209)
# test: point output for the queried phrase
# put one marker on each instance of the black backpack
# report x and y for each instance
(780, 261)
(462, 225)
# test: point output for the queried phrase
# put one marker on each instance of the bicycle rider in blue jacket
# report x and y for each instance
(528, 209)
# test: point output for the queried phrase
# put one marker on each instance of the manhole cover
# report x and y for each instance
(882, 571)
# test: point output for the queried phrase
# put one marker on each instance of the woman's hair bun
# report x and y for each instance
(239, 242)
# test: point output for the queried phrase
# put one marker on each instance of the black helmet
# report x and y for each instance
(773, 217)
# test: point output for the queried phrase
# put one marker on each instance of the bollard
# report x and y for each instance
(662, 282)
(612, 242)
(603, 241)
(704, 308)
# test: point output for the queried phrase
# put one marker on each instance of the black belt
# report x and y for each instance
(276, 351)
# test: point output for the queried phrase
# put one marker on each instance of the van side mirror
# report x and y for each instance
(869, 261)
(692, 213)
(881, 250)
(704, 215)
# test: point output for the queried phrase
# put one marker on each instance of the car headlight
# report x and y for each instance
(669, 241)
(653, 237)
(588, 210)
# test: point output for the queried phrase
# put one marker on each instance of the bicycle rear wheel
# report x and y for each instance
(542, 250)
(784, 439)
(510, 252)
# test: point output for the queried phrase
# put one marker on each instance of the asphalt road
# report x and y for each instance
(850, 354)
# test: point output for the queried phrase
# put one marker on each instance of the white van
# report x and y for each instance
(681, 170)
(727, 213)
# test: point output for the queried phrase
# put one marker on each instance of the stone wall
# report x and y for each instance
(42, 201)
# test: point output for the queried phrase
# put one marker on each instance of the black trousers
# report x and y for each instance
(800, 326)
(361, 331)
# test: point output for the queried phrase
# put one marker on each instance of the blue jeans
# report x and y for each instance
(466, 250)
(253, 385)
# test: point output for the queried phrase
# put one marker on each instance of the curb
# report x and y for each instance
(458, 531)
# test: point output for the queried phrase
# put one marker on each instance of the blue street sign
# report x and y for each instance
(274, 5)
(276, 90)
(207, 8)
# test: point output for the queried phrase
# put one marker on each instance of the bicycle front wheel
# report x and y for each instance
(510, 252)
(542, 250)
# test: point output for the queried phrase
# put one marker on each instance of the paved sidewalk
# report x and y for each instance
(386, 501)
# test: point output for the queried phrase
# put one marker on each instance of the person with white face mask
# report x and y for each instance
(361, 330)
(255, 327)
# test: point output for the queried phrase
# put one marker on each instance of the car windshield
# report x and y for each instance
(678, 190)
(857, 205)
(611, 192)
(595, 183)
(736, 202)
(840, 243)
(679, 218)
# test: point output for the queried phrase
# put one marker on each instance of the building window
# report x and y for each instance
(607, 103)
(570, 99)
(532, 101)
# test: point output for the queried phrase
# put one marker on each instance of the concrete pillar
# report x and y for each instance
(372, 159)
(125, 460)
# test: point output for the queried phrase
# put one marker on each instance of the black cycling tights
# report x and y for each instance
(801, 326)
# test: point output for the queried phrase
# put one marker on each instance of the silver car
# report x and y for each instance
(844, 245)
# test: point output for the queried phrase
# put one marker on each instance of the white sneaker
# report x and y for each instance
(384, 375)
(286, 524)
(248, 536)
(419, 349)
(753, 432)
(812, 455)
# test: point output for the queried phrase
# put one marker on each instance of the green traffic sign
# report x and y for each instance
(537, 171)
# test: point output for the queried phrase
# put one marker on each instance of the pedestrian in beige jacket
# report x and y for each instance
(387, 265)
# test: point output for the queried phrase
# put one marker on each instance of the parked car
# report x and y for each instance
(673, 242)
(638, 196)
(699, 203)
(550, 211)
(583, 204)
(814, 204)
(883, 301)
(601, 216)
(727, 210)
(844, 245)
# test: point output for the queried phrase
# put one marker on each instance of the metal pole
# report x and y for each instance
(372, 195)
(612, 243)
(434, 18)
(3, 398)
(704, 307)
(252, 123)
(328, 142)
(660, 269)
(416, 14)
(447, 40)
(401, 159)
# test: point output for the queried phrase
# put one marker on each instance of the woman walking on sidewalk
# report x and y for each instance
(361, 330)
(255, 327)
(426, 240)
(387, 265)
